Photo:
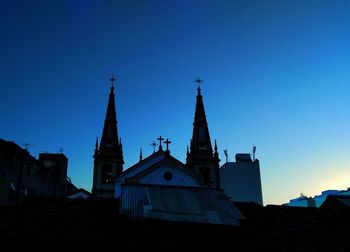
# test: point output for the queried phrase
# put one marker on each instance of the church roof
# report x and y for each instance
(173, 161)
(180, 204)
(152, 162)
(152, 159)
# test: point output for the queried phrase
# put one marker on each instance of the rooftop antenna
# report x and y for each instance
(254, 150)
(226, 155)
(26, 146)
(60, 150)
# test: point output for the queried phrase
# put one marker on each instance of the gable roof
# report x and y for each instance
(336, 200)
(152, 162)
(157, 156)
(80, 190)
(174, 163)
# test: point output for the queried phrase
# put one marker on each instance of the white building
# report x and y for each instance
(317, 200)
(241, 179)
(302, 201)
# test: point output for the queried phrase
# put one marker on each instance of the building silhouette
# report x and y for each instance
(144, 189)
(241, 180)
(202, 162)
(22, 176)
(160, 202)
(108, 156)
(317, 200)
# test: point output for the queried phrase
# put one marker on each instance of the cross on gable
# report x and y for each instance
(160, 138)
(167, 142)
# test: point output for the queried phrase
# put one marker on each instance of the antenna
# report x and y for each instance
(26, 146)
(226, 155)
(254, 150)
(60, 150)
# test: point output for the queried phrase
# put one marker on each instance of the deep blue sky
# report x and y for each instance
(276, 75)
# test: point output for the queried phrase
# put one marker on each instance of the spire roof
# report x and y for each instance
(201, 157)
(109, 141)
(200, 136)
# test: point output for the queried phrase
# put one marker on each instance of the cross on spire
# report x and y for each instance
(167, 142)
(199, 81)
(160, 138)
(112, 80)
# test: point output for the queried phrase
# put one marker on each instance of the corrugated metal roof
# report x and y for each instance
(184, 204)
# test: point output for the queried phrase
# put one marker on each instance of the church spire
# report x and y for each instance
(200, 136)
(109, 140)
(201, 157)
(108, 156)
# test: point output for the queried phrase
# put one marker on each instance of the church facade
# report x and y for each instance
(160, 168)
(160, 186)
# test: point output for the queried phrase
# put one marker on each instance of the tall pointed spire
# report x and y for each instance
(200, 136)
(201, 157)
(108, 157)
(109, 140)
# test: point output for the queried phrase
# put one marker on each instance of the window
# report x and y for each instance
(202, 145)
(205, 173)
(168, 176)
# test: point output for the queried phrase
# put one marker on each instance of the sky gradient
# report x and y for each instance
(276, 75)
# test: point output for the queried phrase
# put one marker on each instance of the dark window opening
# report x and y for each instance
(168, 176)
(202, 145)
(205, 173)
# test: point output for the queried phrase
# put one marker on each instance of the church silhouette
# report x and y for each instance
(145, 189)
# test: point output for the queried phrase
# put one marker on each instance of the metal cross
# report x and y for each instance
(154, 144)
(160, 138)
(199, 81)
(167, 142)
(112, 80)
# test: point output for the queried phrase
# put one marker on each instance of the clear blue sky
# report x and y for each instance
(276, 75)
